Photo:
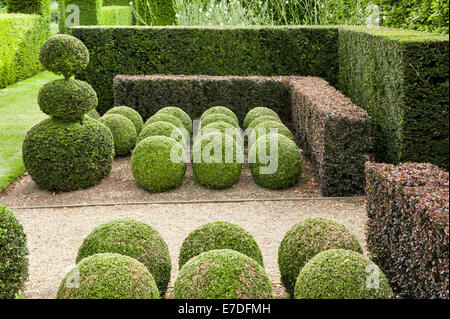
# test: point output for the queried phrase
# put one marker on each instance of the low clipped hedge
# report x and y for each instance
(123, 132)
(130, 114)
(13, 255)
(116, 15)
(408, 227)
(134, 239)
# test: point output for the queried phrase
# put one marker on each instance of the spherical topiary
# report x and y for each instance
(163, 129)
(134, 239)
(217, 117)
(164, 117)
(64, 54)
(258, 112)
(219, 235)
(93, 114)
(123, 131)
(217, 160)
(130, 114)
(67, 99)
(159, 164)
(222, 274)
(108, 276)
(62, 156)
(180, 114)
(285, 163)
(224, 128)
(268, 127)
(305, 240)
(13, 255)
(220, 110)
(341, 274)
(263, 119)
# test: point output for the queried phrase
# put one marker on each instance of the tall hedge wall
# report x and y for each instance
(401, 78)
(116, 15)
(90, 12)
(41, 7)
(108, 3)
(155, 12)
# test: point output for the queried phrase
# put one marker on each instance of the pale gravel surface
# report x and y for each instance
(54, 235)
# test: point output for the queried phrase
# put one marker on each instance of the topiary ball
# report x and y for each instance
(13, 255)
(134, 239)
(163, 129)
(169, 119)
(341, 274)
(93, 114)
(267, 127)
(217, 160)
(159, 164)
(263, 119)
(108, 276)
(217, 117)
(219, 235)
(61, 156)
(258, 112)
(64, 54)
(224, 128)
(67, 99)
(130, 114)
(284, 167)
(222, 274)
(123, 131)
(220, 110)
(305, 240)
(180, 114)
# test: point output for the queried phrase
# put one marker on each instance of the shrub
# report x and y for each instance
(63, 54)
(134, 239)
(90, 12)
(341, 274)
(155, 12)
(81, 154)
(180, 114)
(213, 118)
(262, 119)
(93, 114)
(222, 110)
(169, 119)
(123, 131)
(269, 127)
(219, 235)
(257, 112)
(223, 168)
(13, 255)
(67, 99)
(130, 114)
(289, 162)
(115, 15)
(163, 129)
(224, 128)
(222, 274)
(41, 7)
(305, 240)
(109, 276)
(408, 227)
(154, 168)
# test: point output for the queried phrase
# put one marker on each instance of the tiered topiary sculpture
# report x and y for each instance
(70, 150)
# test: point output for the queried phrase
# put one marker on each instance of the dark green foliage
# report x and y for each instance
(220, 110)
(212, 118)
(64, 54)
(219, 235)
(66, 156)
(41, 7)
(67, 99)
(123, 131)
(268, 127)
(116, 16)
(134, 239)
(154, 168)
(130, 114)
(222, 274)
(155, 12)
(180, 114)
(341, 274)
(257, 112)
(165, 117)
(217, 160)
(305, 240)
(408, 227)
(93, 114)
(13, 255)
(287, 159)
(163, 129)
(109, 276)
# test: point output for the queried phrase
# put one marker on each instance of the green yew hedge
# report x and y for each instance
(41, 7)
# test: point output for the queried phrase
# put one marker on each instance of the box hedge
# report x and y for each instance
(41, 7)
(408, 227)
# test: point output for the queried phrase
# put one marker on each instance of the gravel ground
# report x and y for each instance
(54, 235)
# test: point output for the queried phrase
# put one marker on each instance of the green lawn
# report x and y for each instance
(19, 111)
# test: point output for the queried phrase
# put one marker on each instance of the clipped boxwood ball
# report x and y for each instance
(341, 274)
(61, 156)
(180, 114)
(134, 239)
(130, 114)
(159, 164)
(13, 255)
(258, 112)
(64, 54)
(108, 276)
(163, 129)
(267, 127)
(67, 99)
(263, 119)
(220, 110)
(285, 164)
(219, 235)
(224, 128)
(222, 274)
(123, 131)
(217, 160)
(93, 114)
(163, 117)
(305, 240)
(217, 117)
